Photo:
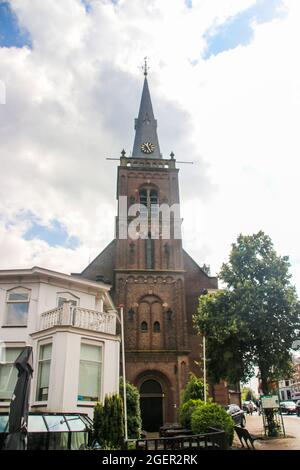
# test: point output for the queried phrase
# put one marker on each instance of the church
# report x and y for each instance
(155, 279)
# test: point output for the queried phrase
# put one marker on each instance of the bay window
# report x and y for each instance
(8, 372)
(90, 372)
(44, 363)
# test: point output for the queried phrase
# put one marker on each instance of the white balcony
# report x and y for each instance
(70, 315)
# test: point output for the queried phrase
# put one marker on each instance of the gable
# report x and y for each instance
(102, 265)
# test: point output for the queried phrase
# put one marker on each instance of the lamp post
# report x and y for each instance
(121, 307)
(204, 366)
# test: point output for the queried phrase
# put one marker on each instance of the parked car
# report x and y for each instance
(288, 407)
(237, 414)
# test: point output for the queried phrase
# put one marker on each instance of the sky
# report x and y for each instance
(225, 84)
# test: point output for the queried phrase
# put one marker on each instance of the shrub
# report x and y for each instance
(186, 410)
(194, 389)
(98, 423)
(212, 415)
(134, 421)
(109, 422)
(116, 423)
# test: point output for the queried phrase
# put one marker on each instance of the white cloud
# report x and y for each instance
(71, 101)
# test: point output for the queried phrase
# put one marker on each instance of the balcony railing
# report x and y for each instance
(79, 317)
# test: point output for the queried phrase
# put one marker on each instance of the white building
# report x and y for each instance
(71, 324)
(285, 389)
(289, 389)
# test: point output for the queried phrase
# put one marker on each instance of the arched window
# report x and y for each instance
(149, 210)
(156, 327)
(148, 197)
(153, 197)
(143, 197)
(144, 326)
(17, 306)
(67, 296)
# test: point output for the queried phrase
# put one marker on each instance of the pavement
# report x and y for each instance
(254, 424)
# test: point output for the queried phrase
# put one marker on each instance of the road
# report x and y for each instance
(292, 430)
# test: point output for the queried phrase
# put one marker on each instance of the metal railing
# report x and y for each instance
(207, 441)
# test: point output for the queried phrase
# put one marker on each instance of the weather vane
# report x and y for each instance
(145, 67)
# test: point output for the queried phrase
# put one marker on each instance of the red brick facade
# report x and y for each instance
(157, 282)
(165, 295)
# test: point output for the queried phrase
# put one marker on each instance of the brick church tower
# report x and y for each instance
(153, 277)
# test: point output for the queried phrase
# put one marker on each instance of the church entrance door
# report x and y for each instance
(151, 405)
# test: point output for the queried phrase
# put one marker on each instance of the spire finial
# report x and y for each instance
(146, 68)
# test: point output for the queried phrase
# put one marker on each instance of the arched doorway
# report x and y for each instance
(151, 405)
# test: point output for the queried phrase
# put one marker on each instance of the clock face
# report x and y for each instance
(147, 147)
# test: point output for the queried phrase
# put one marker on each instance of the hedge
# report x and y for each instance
(212, 415)
(186, 410)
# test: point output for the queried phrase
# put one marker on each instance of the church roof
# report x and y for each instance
(146, 128)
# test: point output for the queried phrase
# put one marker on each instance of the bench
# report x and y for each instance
(244, 435)
(177, 432)
(169, 427)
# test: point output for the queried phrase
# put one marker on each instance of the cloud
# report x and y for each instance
(71, 101)
(239, 29)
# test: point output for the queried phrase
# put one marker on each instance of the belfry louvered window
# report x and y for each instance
(149, 201)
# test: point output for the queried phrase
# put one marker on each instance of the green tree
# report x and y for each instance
(134, 421)
(255, 320)
(248, 394)
(193, 390)
(186, 410)
(109, 422)
(212, 415)
(98, 423)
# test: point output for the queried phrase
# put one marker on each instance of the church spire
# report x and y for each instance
(146, 141)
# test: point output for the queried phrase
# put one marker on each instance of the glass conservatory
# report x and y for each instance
(53, 431)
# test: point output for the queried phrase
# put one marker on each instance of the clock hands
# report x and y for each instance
(147, 147)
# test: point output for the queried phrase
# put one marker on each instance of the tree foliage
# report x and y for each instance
(109, 422)
(193, 390)
(134, 421)
(212, 415)
(256, 319)
(186, 410)
(248, 394)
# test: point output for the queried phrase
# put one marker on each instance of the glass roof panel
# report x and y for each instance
(56, 423)
(36, 423)
(75, 423)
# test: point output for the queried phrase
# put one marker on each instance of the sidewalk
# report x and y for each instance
(292, 430)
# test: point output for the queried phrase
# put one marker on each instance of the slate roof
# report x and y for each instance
(146, 126)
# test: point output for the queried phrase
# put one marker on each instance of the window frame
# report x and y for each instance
(39, 361)
(19, 346)
(67, 296)
(142, 329)
(17, 290)
(99, 344)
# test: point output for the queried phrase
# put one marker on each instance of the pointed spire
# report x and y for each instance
(146, 141)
